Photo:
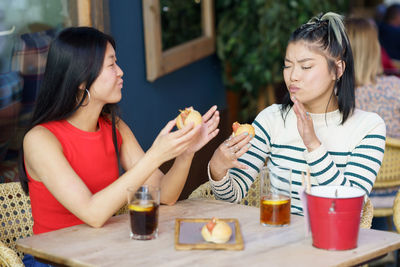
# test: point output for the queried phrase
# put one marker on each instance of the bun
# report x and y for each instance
(216, 231)
(187, 116)
(242, 128)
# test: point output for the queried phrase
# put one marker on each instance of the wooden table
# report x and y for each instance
(110, 245)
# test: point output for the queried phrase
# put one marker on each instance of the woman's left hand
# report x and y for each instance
(208, 130)
(305, 126)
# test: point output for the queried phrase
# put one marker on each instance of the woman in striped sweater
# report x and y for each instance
(317, 127)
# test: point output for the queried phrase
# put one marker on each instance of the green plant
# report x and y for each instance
(252, 38)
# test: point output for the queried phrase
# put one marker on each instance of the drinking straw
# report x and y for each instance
(308, 181)
(303, 198)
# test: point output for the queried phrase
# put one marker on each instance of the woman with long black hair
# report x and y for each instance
(76, 142)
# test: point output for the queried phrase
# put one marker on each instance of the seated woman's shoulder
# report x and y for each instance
(366, 116)
(269, 113)
(389, 81)
(274, 108)
(392, 78)
(37, 130)
(38, 135)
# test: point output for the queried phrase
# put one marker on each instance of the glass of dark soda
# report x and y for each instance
(143, 206)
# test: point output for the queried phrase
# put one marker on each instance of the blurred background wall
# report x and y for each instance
(147, 107)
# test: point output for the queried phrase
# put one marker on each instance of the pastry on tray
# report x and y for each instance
(216, 231)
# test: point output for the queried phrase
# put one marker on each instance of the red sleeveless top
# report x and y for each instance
(91, 155)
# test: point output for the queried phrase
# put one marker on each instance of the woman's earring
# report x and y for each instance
(88, 93)
(336, 86)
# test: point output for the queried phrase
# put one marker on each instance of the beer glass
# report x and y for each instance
(143, 206)
(275, 196)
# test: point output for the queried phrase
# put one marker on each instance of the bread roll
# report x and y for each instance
(216, 231)
(188, 115)
(242, 128)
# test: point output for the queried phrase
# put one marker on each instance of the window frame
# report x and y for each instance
(158, 62)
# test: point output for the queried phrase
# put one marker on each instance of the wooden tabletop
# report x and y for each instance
(110, 245)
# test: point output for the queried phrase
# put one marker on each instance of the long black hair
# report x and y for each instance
(327, 32)
(75, 57)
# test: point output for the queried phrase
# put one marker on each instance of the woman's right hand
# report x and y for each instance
(226, 155)
(169, 145)
(305, 126)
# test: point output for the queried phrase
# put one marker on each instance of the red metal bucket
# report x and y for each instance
(334, 215)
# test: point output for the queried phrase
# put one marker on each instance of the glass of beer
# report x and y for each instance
(275, 195)
(143, 206)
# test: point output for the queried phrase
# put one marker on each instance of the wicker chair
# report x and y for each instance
(253, 199)
(16, 222)
(396, 212)
(122, 210)
(388, 177)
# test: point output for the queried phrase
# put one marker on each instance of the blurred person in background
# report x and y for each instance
(389, 31)
(374, 92)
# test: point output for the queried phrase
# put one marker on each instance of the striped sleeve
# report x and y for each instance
(362, 166)
(236, 183)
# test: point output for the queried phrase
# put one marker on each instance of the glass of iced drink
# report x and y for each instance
(275, 195)
(143, 206)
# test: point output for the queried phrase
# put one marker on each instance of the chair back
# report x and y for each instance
(396, 212)
(203, 191)
(367, 215)
(15, 215)
(389, 173)
(123, 210)
(253, 199)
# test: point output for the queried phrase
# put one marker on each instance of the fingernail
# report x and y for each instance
(248, 145)
(251, 136)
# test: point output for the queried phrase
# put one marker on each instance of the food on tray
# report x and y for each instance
(187, 116)
(242, 128)
(216, 231)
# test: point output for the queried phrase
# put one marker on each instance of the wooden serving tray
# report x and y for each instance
(188, 235)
